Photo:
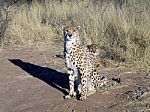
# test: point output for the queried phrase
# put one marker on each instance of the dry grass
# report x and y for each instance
(121, 28)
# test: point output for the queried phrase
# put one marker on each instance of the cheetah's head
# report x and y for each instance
(71, 33)
(93, 49)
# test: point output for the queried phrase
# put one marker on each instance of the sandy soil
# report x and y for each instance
(35, 81)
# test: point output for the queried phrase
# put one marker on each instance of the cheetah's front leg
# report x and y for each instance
(83, 89)
(71, 84)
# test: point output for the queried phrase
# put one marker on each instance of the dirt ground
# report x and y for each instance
(35, 81)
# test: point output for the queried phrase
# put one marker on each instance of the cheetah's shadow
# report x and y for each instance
(52, 77)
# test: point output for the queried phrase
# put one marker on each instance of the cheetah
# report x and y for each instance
(94, 50)
(98, 62)
(80, 65)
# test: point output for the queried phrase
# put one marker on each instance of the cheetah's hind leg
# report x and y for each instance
(97, 81)
(100, 81)
(103, 80)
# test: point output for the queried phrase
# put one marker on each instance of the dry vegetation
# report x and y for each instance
(121, 28)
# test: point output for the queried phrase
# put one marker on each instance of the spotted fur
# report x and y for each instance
(80, 63)
(94, 50)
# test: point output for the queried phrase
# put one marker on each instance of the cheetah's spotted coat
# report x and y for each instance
(81, 65)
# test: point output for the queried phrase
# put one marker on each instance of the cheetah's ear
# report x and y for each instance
(63, 27)
(78, 27)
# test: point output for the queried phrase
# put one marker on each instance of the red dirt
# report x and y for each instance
(35, 81)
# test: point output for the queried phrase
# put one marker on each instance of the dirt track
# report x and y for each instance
(35, 81)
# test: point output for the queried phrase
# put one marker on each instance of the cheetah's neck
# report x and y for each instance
(74, 42)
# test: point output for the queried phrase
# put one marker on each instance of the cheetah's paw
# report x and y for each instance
(82, 98)
(67, 97)
(72, 95)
